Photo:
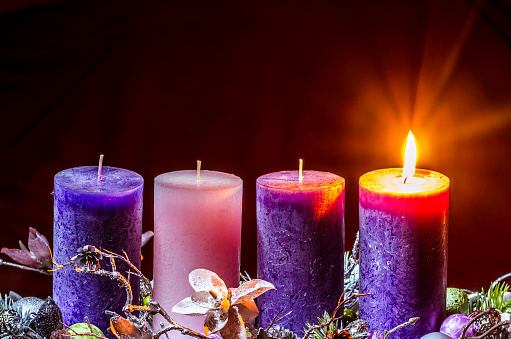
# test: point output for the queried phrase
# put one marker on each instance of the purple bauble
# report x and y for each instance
(453, 326)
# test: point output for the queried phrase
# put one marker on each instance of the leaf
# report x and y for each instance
(203, 299)
(38, 244)
(146, 236)
(250, 290)
(22, 257)
(206, 280)
(248, 310)
(215, 320)
(235, 327)
(188, 307)
(124, 329)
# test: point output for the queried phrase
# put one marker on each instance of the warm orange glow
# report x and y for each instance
(410, 157)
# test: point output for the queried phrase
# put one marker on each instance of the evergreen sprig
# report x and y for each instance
(494, 298)
(5, 302)
(321, 333)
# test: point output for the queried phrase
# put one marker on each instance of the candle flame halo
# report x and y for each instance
(410, 157)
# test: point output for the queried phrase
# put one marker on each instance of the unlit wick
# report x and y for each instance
(100, 167)
(300, 170)
(198, 170)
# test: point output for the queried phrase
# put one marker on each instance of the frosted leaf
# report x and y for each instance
(124, 329)
(188, 307)
(203, 299)
(250, 290)
(38, 244)
(206, 280)
(248, 310)
(146, 236)
(22, 257)
(235, 327)
(216, 320)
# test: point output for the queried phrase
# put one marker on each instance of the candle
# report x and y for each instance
(197, 224)
(300, 237)
(104, 209)
(403, 248)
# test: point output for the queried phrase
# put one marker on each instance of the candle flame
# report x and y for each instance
(410, 157)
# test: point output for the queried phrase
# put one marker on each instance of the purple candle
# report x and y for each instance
(105, 213)
(403, 250)
(300, 237)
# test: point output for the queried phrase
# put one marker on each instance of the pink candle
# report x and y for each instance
(197, 224)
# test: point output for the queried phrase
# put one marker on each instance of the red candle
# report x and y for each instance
(403, 248)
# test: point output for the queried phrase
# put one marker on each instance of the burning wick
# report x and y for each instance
(100, 166)
(410, 157)
(300, 170)
(198, 170)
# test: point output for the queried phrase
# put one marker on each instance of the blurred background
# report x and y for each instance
(250, 87)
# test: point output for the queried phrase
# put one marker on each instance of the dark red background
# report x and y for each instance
(250, 87)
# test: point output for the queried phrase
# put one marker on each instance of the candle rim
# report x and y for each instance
(368, 182)
(205, 184)
(132, 180)
(273, 181)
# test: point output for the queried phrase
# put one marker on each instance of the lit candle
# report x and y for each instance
(300, 244)
(197, 224)
(403, 247)
(99, 206)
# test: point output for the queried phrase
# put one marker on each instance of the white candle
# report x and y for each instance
(197, 224)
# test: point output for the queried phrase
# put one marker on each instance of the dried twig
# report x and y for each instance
(485, 334)
(23, 267)
(411, 321)
(274, 320)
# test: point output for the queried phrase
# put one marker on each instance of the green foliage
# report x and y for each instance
(5, 302)
(494, 298)
(347, 263)
(323, 331)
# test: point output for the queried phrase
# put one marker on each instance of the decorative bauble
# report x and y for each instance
(43, 316)
(349, 316)
(436, 335)
(83, 328)
(507, 296)
(27, 308)
(47, 319)
(453, 326)
(456, 301)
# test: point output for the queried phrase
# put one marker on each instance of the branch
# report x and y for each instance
(412, 321)
(340, 303)
(502, 323)
(274, 320)
(27, 268)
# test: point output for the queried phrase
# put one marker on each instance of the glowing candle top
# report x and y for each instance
(406, 180)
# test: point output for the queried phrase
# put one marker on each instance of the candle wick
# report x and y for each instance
(300, 170)
(198, 170)
(404, 181)
(100, 166)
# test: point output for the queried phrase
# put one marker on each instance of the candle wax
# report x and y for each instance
(106, 214)
(196, 225)
(300, 245)
(403, 250)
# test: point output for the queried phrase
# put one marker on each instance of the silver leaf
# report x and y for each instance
(250, 290)
(215, 321)
(235, 327)
(206, 280)
(248, 310)
(188, 307)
